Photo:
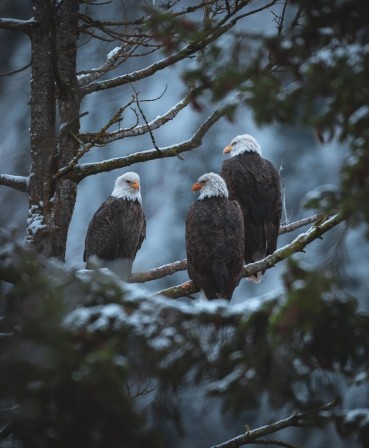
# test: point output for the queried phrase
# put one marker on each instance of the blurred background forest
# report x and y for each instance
(186, 416)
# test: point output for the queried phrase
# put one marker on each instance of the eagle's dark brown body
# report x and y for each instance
(254, 183)
(116, 231)
(214, 243)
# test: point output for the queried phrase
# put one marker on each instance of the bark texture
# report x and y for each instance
(54, 111)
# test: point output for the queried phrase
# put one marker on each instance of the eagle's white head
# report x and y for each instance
(241, 144)
(127, 187)
(210, 185)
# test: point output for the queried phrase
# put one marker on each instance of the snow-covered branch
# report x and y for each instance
(159, 121)
(172, 268)
(17, 25)
(198, 44)
(253, 435)
(88, 169)
(297, 245)
(17, 182)
(110, 64)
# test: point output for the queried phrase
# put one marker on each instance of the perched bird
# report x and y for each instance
(214, 239)
(117, 229)
(254, 183)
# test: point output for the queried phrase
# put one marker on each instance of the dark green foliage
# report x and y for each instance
(89, 353)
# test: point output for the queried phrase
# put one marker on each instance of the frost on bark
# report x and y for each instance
(53, 91)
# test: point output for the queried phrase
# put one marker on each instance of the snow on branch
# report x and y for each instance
(123, 52)
(253, 435)
(81, 171)
(298, 244)
(198, 44)
(159, 121)
(17, 25)
(17, 182)
(172, 268)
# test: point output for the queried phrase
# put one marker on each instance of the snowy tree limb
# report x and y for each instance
(103, 139)
(110, 63)
(193, 47)
(297, 245)
(81, 171)
(17, 182)
(293, 420)
(172, 268)
(17, 25)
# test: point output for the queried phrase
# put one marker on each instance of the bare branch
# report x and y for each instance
(193, 47)
(275, 443)
(145, 119)
(297, 245)
(17, 182)
(17, 25)
(300, 223)
(88, 169)
(162, 271)
(103, 139)
(18, 70)
(116, 117)
(293, 420)
(172, 268)
(110, 63)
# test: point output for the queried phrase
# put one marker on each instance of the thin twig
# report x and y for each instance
(145, 119)
(293, 420)
(16, 71)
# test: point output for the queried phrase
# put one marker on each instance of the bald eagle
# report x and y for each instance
(254, 183)
(118, 227)
(214, 239)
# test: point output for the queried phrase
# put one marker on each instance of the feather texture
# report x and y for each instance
(254, 183)
(214, 245)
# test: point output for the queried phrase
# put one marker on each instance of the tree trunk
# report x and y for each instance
(54, 88)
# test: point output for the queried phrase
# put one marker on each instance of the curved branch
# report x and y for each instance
(17, 182)
(110, 63)
(81, 171)
(293, 420)
(172, 268)
(106, 138)
(193, 47)
(297, 245)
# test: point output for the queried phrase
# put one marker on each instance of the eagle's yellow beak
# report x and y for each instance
(227, 149)
(196, 187)
(136, 185)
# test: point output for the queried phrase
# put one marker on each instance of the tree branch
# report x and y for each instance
(293, 420)
(193, 47)
(17, 25)
(297, 245)
(81, 171)
(17, 182)
(103, 139)
(109, 64)
(161, 271)
(172, 268)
